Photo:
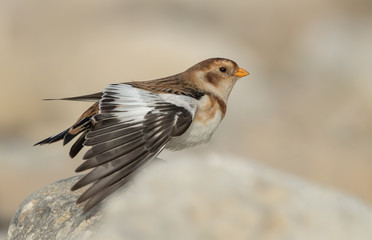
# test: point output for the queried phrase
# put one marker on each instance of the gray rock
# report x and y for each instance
(51, 213)
(210, 197)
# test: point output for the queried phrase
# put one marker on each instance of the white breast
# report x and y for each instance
(199, 131)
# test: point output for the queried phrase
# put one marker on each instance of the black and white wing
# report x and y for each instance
(132, 127)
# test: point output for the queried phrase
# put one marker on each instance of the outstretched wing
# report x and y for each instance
(132, 127)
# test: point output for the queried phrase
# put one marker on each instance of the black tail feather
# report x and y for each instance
(78, 145)
(68, 137)
(83, 125)
(54, 138)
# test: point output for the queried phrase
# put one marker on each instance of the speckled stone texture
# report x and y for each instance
(51, 213)
(204, 197)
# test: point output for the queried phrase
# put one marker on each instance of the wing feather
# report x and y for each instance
(96, 161)
(114, 177)
(132, 127)
(110, 144)
(106, 151)
(109, 135)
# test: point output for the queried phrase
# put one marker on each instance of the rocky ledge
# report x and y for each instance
(214, 197)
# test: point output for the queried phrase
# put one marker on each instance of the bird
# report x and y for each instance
(130, 123)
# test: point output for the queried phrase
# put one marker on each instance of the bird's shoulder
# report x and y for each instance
(134, 96)
(176, 84)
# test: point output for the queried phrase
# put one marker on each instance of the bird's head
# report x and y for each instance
(216, 75)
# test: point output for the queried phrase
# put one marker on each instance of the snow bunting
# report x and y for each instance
(131, 123)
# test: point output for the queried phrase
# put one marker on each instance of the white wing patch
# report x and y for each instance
(186, 102)
(138, 102)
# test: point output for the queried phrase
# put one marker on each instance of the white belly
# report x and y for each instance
(197, 133)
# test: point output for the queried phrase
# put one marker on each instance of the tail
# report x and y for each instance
(82, 125)
(85, 98)
(54, 138)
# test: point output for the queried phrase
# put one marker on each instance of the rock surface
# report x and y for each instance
(200, 198)
(51, 213)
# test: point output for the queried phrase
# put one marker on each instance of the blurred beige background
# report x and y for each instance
(305, 109)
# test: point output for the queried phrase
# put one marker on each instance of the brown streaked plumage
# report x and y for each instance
(130, 123)
(77, 127)
(174, 85)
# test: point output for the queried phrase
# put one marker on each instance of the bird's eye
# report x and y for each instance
(222, 69)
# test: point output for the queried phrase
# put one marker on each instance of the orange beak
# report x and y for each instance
(241, 73)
